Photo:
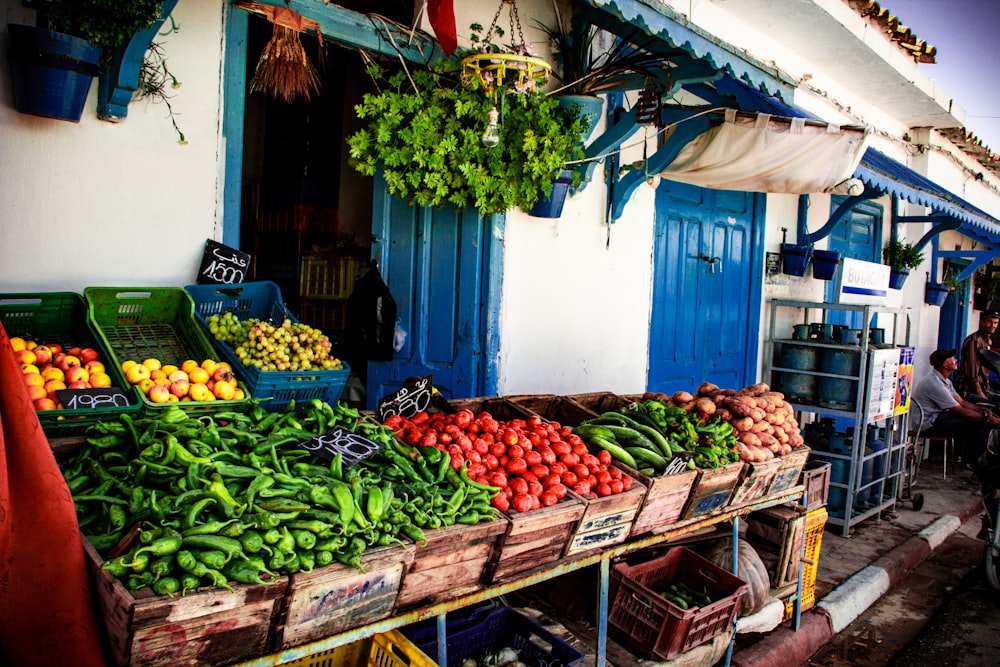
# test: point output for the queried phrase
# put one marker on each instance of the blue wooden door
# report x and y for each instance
(858, 236)
(437, 264)
(706, 303)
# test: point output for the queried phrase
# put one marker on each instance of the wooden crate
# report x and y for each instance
(606, 520)
(450, 564)
(755, 481)
(712, 490)
(777, 533)
(533, 539)
(336, 597)
(791, 467)
(601, 401)
(816, 482)
(550, 407)
(665, 499)
(210, 626)
(500, 408)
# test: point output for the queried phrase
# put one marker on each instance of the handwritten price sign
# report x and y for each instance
(679, 463)
(88, 399)
(413, 397)
(222, 264)
(351, 446)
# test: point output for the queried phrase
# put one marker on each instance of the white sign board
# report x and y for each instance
(863, 283)
(882, 388)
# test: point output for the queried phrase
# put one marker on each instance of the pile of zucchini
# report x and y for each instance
(686, 597)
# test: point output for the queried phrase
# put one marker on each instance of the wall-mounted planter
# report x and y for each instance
(552, 206)
(936, 294)
(51, 72)
(794, 259)
(825, 263)
(897, 278)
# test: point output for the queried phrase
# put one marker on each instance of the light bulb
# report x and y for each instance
(491, 137)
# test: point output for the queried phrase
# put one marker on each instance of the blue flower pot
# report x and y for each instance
(825, 263)
(794, 259)
(51, 72)
(897, 278)
(552, 206)
(589, 107)
(936, 294)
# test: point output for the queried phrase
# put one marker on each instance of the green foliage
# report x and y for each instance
(104, 23)
(900, 255)
(424, 130)
(987, 281)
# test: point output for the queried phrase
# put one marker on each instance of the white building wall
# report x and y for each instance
(99, 203)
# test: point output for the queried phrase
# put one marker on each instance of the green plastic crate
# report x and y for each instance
(61, 317)
(143, 322)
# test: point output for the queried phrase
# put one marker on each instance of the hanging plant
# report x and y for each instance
(426, 131)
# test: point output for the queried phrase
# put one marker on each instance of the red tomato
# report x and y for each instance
(565, 431)
(535, 503)
(581, 471)
(481, 446)
(535, 488)
(616, 486)
(561, 448)
(465, 442)
(457, 461)
(589, 459)
(473, 456)
(518, 485)
(569, 478)
(393, 421)
(497, 478)
(603, 490)
(491, 462)
(517, 423)
(604, 456)
(501, 502)
(517, 466)
(548, 456)
(445, 438)
(498, 449)
(558, 489)
(515, 452)
(533, 421)
(582, 488)
(548, 499)
(463, 418)
(453, 430)
(476, 469)
(557, 468)
(615, 473)
(592, 481)
(488, 424)
(573, 439)
(536, 439)
(412, 435)
(551, 480)
(509, 437)
(532, 458)
(529, 477)
(503, 460)
(570, 459)
(539, 471)
(419, 418)
(522, 502)
(507, 491)
(603, 477)
(626, 482)
(429, 440)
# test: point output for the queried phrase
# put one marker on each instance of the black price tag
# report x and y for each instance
(679, 463)
(222, 265)
(88, 399)
(352, 446)
(413, 397)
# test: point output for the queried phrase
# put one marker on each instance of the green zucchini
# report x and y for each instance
(630, 437)
(653, 434)
(616, 450)
(644, 455)
(588, 431)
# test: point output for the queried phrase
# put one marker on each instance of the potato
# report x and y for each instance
(750, 439)
(742, 423)
(707, 389)
(681, 397)
(724, 414)
(705, 405)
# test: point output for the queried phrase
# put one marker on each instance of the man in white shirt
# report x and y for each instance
(947, 414)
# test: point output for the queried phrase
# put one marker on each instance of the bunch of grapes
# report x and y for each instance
(290, 346)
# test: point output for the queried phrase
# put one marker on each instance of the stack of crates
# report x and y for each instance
(815, 525)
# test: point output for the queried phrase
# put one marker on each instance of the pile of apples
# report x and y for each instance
(47, 368)
(166, 383)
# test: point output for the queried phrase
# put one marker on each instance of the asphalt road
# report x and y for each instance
(942, 614)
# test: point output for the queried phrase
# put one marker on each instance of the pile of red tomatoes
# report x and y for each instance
(532, 461)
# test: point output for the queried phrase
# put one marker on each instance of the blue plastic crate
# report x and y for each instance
(501, 628)
(262, 300)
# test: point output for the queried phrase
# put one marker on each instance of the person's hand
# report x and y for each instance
(992, 419)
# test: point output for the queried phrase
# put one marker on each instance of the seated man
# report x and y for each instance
(947, 414)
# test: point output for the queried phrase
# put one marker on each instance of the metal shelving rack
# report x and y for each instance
(868, 379)
(602, 558)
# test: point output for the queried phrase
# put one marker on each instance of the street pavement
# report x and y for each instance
(856, 571)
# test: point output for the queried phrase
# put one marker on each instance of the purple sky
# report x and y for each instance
(965, 33)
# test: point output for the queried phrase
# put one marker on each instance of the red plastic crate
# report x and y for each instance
(646, 622)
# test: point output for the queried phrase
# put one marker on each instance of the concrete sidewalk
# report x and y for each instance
(854, 572)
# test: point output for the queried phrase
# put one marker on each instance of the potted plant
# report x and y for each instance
(987, 284)
(54, 62)
(901, 257)
(432, 133)
(584, 68)
(825, 263)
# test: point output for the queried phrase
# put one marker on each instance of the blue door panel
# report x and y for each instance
(702, 328)
(432, 261)
(858, 236)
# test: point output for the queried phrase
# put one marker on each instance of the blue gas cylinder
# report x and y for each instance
(877, 446)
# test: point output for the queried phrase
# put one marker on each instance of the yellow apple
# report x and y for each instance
(77, 374)
(180, 387)
(43, 354)
(25, 357)
(168, 368)
(224, 390)
(173, 399)
(18, 344)
(53, 373)
(222, 373)
(145, 385)
(178, 375)
(30, 368)
(67, 361)
(52, 386)
(188, 365)
(95, 367)
(100, 380)
(137, 373)
(152, 364)
(239, 394)
(79, 384)
(200, 392)
(45, 404)
(36, 392)
(199, 375)
(128, 364)
(209, 365)
(34, 379)
(159, 393)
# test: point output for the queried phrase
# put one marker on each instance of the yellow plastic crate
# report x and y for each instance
(328, 277)
(815, 525)
(388, 649)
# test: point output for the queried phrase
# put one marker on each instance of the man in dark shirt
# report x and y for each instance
(973, 378)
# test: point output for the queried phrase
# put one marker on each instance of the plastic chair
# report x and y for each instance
(926, 441)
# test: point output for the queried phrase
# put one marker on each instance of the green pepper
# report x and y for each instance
(166, 586)
(162, 546)
(191, 518)
(228, 504)
(277, 560)
(260, 483)
(323, 557)
(292, 563)
(187, 561)
(307, 560)
(118, 567)
(228, 545)
(286, 543)
(162, 566)
(253, 542)
(303, 539)
(247, 573)
(208, 528)
(213, 558)
(189, 582)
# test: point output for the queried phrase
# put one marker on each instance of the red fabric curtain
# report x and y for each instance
(47, 612)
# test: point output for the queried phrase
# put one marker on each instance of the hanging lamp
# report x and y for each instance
(496, 69)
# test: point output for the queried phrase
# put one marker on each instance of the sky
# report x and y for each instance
(967, 68)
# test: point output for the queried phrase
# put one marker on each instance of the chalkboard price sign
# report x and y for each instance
(352, 446)
(679, 463)
(413, 397)
(88, 399)
(222, 265)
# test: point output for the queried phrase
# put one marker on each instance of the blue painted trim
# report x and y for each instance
(756, 305)
(120, 80)
(489, 365)
(233, 109)
(845, 207)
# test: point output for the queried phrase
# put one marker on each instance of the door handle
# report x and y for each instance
(711, 262)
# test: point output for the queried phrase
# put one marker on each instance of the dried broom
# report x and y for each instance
(284, 71)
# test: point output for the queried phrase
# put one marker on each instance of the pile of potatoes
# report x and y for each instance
(763, 422)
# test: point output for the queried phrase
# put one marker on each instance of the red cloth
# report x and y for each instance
(47, 614)
(442, 17)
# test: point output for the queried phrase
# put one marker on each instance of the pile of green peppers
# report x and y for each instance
(176, 502)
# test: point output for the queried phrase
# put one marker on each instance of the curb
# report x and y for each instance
(787, 647)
